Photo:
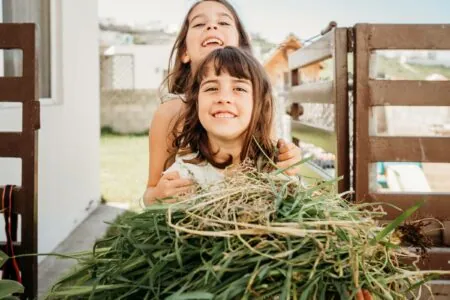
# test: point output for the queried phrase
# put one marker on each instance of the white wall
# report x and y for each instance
(69, 171)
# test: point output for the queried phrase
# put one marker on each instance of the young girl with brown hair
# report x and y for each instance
(227, 119)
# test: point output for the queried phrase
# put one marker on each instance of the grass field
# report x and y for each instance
(124, 167)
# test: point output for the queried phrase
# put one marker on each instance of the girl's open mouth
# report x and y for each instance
(212, 42)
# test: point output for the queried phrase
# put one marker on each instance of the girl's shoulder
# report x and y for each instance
(170, 97)
(171, 105)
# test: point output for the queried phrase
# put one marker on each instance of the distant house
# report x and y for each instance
(276, 64)
(133, 66)
(277, 67)
(109, 37)
(130, 80)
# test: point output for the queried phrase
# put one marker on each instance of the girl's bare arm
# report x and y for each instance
(160, 144)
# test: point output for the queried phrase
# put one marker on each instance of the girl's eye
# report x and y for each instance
(210, 89)
(239, 89)
(224, 23)
(198, 25)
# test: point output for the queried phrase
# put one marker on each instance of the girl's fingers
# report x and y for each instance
(359, 295)
(177, 183)
(283, 146)
(367, 295)
(293, 153)
(177, 186)
(184, 190)
(292, 171)
(171, 175)
(288, 163)
(363, 295)
(281, 143)
(283, 164)
(173, 200)
(289, 151)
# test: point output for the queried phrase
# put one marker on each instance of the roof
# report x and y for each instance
(291, 41)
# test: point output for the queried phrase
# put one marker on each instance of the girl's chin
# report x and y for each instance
(227, 135)
(211, 48)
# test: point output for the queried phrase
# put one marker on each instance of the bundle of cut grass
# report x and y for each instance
(254, 236)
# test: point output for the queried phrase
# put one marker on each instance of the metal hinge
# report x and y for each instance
(36, 115)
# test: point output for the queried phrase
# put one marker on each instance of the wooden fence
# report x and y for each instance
(360, 42)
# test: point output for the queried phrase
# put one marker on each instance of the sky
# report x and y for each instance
(275, 19)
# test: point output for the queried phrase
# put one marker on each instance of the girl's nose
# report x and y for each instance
(211, 26)
(225, 98)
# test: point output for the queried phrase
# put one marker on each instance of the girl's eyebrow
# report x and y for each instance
(197, 16)
(237, 80)
(246, 81)
(223, 14)
(208, 81)
(226, 15)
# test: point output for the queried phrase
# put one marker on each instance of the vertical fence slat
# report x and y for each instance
(361, 116)
(340, 86)
(24, 145)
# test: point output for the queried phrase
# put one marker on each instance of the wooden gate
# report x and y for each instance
(23, 145)
(368, 92)
(370, 149)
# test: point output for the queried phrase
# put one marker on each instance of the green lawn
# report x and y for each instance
(393, 67)
(124, 167)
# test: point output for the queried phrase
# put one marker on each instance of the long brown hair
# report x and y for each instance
(178, 77)
(194, 139)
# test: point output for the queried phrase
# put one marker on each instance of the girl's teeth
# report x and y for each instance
(224, 115)
(212, 41)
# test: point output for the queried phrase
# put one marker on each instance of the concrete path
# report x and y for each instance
(82, 238)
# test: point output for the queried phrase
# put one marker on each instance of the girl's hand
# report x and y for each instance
(363, 295)
(171, 185)
(288, 155)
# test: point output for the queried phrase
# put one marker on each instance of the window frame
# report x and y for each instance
(55, 58)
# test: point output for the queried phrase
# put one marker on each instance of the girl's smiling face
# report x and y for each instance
(211, 26)
(229, 106)
(225, 105)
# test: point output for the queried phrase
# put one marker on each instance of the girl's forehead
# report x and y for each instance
(212, 77)
(216, 70)
(210, 71)
(206, 8)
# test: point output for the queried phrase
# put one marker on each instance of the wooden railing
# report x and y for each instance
(333, 44)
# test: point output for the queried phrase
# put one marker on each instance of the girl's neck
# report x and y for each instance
(194, 67)
(224, 148)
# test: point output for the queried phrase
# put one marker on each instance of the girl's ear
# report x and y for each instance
(186, 58)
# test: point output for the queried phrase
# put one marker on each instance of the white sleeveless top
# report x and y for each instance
(203, 173)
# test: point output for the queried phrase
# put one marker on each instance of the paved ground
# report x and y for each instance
(82, 238)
